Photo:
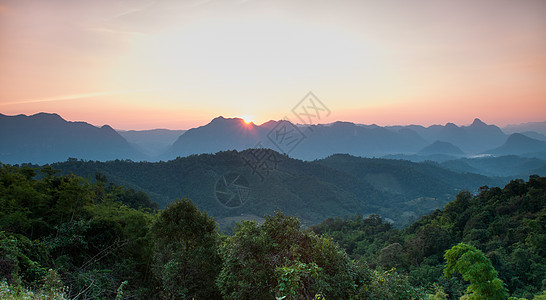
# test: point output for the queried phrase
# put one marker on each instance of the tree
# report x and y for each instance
(386, 285)
(391, 256)
(476, 268)
(278, 259)
(185, 255)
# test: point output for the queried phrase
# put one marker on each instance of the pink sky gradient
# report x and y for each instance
(143, 64)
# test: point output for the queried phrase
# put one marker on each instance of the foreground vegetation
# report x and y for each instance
(508, 224)
(64, 237)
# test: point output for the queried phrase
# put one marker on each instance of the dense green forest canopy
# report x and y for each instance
(63, 236)
(313, 191)
(508, 224)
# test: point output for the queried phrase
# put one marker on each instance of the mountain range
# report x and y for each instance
(532, 127)
(318, 141)
(46, 138)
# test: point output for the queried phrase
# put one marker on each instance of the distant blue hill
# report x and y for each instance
(472, 139)
(152, 142)
(519, 144)
(45, 138)
(440, 147)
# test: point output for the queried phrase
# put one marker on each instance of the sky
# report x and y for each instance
(142, 64)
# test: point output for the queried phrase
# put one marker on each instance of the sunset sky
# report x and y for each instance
(140, 64)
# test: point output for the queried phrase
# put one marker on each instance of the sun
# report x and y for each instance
(247, 119)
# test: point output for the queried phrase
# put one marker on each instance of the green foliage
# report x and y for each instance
(119, 294)
(334, 186)
(185, 252)
(508, 223)
(476, 268)
(279, 259)
(64, 235)
(384, 285)
(293, 279)
(51, 289)
(438, 293)
(78, 228)
(21, 257)
(362, 238)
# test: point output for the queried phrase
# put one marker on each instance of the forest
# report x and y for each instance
(67, 237)
(338, 185)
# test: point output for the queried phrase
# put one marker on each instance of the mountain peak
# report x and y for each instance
(441, 147)
(218, 119)
(47, 116)
(222, 120)
(107, 128)
(478, 123)
(518, 137)
(343, 124)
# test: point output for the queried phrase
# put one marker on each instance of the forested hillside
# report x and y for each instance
(508, 224)
(313, 191)
(63, 236)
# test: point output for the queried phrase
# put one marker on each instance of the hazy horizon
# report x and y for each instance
(297, 123)
(138, 65)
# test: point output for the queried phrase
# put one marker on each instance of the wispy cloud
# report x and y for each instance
(117, 31)
(199, 3)
(132, 10)
(81, 96)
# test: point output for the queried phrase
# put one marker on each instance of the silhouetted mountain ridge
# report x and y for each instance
(45, 138)
(319, 141)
